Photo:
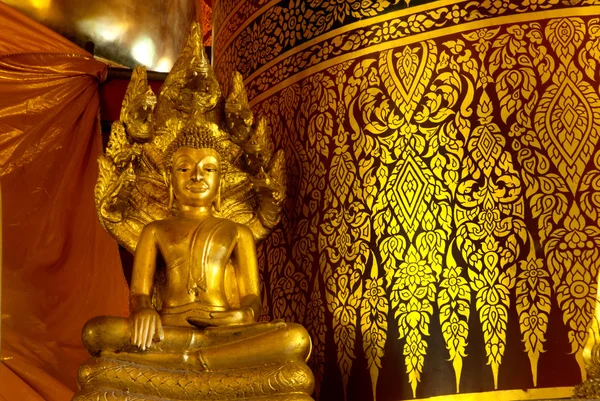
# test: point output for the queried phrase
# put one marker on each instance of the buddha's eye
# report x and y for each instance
(210, 168)
(183, 169)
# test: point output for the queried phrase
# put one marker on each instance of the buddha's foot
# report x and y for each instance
(110, 379)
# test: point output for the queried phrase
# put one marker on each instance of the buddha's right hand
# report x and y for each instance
(232, 317)
(146, 327)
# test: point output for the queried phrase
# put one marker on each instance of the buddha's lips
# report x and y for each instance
(197, 188)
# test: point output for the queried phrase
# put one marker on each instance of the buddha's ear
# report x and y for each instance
(217, 202)
(167, 180)
(171, 197)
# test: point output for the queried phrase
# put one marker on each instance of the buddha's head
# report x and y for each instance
(194, 161)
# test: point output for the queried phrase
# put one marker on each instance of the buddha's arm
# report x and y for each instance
(145, 319)
(247, 271)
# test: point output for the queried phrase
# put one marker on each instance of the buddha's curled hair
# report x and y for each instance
(193, 136)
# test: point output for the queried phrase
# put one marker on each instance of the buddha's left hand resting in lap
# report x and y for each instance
(197, 326)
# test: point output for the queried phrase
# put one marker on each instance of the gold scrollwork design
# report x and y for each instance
(451, 176)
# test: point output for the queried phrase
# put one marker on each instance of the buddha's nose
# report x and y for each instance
(197, 175)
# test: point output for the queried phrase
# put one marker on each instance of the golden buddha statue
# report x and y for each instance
(181, 193)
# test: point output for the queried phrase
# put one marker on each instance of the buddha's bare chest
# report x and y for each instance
(195, 250)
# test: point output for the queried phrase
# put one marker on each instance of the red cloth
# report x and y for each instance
(60, 268)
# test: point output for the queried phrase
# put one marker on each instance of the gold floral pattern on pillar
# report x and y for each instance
(345, 234)
(558, 132)
(289, 254)
(409, 203)
(446, 194)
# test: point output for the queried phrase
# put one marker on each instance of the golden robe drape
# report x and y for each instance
(59, 266)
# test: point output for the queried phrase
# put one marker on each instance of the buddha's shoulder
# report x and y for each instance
(170, 224)
(158, 224)
(155, 226)
(230, 225)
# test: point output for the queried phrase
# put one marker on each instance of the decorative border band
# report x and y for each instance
(264, 52)
(508, 395)
(259, 88)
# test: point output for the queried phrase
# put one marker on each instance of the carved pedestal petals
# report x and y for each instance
(110, 379)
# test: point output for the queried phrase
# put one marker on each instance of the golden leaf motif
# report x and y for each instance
(489, 211)
(573, 259)
(590, 190)
(453, 299)
(343, 303)
(590, 56)
(410, 189)
(533, 306)
(565, 35)
(567, 123)
(342, 177)
(406, 74)
(373, 324)
(320, 131)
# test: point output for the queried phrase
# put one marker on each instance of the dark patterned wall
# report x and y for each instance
(441, 233)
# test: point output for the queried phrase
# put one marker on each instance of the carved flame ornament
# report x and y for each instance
(132, 187)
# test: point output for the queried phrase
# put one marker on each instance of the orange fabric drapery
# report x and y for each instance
(59, 266)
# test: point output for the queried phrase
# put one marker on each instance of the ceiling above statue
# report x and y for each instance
(124, 32)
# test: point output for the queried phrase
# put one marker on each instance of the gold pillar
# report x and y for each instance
(442, 231)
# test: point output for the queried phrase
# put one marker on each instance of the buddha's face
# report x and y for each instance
(196, 176)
